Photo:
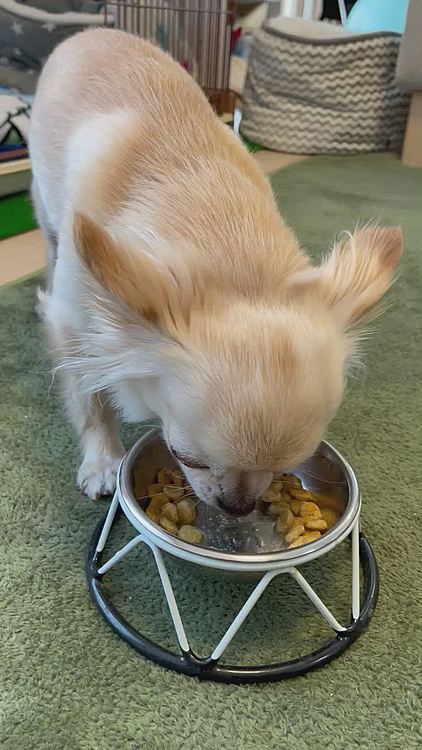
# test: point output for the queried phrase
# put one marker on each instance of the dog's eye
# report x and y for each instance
(189, 463)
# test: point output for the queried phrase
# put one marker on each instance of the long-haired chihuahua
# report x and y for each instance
(175, 289)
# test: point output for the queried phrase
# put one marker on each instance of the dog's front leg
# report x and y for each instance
(97, 428)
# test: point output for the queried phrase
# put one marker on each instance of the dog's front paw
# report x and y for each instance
(98, 477)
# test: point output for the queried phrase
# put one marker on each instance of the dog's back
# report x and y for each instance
(120, 131)
(114, 103)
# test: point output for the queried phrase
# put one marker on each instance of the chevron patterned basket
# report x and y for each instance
(331, 96)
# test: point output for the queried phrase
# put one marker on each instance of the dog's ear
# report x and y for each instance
(131, 275)
(357, 273)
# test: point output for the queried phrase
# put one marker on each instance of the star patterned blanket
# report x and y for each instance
(28, 33)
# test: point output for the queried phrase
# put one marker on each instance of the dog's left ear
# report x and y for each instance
(356, 275)
(129, 274)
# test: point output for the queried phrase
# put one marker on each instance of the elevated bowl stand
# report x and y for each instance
(210, 668)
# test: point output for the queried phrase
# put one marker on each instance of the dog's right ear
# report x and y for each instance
(132, 276)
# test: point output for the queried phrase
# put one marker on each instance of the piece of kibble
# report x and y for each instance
(154, 489)
(300, 494)
(170, 511)
(296, 521)
(271, 496)
(329, 516)
(172, 492)
(276, 508)
(315, 524)
(168, 525)
(157, 501)
(153, 514)
(284, 520)
(187, 513)
(309, 536)
(309, 510)
(277, 485)
(327, 501)
(190, 534)
(171, 477)
(295, 507)
(165, 476)
(285, 497)
(179, 478)
(294, 533)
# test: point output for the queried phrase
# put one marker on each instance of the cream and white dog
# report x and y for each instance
(175, 287)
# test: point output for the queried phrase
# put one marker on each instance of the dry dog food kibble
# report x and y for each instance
(169, 510)
(315, 524)
(168, 525)
(271, 495)
(190, 534)
(330, 516)
(308, 536)
(300, 494)
(309, 510)
(301, 516)
(285, 518)
(187, 514)
(174, 493)
(158, 498)
(294, 533)
(170, 477)
(171, 505)
(153, 514)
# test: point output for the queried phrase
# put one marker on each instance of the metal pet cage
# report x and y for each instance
(196, 33)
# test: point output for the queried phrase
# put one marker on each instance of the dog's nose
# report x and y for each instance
(236, 507)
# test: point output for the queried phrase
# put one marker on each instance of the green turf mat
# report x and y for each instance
(16, 215)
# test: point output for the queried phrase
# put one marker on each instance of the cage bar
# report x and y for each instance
(196, 33)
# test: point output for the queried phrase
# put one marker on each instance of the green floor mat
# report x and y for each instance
(252, 146)
(66, 680)
(16, 215)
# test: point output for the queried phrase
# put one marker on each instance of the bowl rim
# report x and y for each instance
(155, 535)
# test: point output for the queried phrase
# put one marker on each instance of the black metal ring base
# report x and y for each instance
(208, 669)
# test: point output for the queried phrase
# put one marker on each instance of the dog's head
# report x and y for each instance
(243, 388)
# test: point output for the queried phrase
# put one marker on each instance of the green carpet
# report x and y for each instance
(16, 215)
(68, 683)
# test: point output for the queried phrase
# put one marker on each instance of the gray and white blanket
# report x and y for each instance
(29, 31)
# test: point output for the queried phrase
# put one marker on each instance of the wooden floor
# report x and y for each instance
(24, 254)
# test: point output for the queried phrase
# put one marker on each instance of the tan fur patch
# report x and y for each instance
(118, 270)
(158, 295)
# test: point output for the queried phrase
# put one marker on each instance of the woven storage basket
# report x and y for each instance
(332, 95)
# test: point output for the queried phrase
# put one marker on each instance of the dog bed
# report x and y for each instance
(315, 88)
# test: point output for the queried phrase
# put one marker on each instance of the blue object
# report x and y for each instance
(368, 16)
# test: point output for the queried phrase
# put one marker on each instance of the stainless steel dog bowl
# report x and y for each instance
(248, 543)
(235, 546)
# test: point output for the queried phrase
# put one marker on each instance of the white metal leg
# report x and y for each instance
(165, 581)
(243, 613)
(313, 596)
(120, 554)
(171, 600)
(355, 571)
(108, 523)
